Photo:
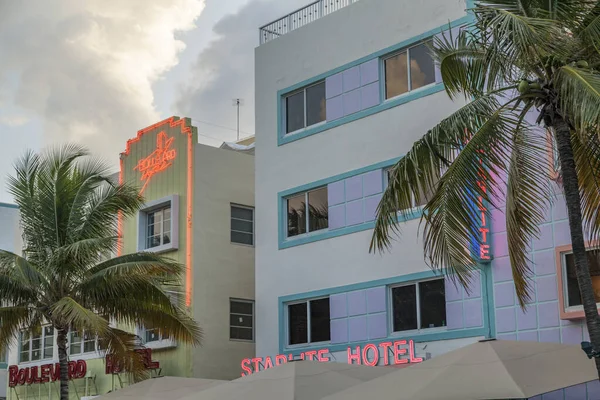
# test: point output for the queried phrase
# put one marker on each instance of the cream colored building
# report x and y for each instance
(199, 211)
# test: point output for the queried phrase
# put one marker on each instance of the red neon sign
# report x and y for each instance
(484, 230)
(159, 160)
(385, 353)
(44, 373)
(172, 122)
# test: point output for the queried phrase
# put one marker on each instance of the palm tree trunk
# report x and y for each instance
(573, 200)
(61, 341)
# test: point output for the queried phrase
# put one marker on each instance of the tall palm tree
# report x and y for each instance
(65, 278)
(518, 58)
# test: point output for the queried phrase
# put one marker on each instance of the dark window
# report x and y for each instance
(419, 306)
(294, 115)
(241, 320)
(242, 225)
(315, 104)
(414, 203)
(307, 212)
(305, 107)
(399, 78)
(573, 293)
(309, 322)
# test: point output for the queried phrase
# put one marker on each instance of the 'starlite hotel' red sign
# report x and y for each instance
(385, 353)
(159, 160)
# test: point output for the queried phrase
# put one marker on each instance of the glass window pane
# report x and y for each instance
(240, 320)
(242, 238)
(573, 293)
(240, 333)
(241, 226)
(75, 343)
(432, 297)
(166, 238)
(319, 320)
(241, 213)
(315, 104)
(404, 303)
(298, 323)
(294, 112)
(150, 218)
(240, 307)
(422, 67)
(396, 75)
(167, 213)
(318, 215)
(152, 335)
(296, 215)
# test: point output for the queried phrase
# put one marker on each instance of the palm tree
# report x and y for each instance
(518, 58)
(66, 279)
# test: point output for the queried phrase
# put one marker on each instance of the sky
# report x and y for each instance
(94, 72)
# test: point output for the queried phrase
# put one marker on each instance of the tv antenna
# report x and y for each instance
(237, 103)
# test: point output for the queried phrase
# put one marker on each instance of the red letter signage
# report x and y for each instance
(44, 373)
(159, 160)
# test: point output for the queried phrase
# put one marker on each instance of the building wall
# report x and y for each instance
(541, 320)
(10, 240)
(344, 148)
(222, 270)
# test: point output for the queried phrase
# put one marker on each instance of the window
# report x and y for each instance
(420, 305)
(309, 322)
(305, 107)
(573, 295)
(3, 356)
(158, 225)
(242, 225)
(307, 212)
(408, 70)
(81, 344)
(241, 320)
(386, 181)
(37, 344)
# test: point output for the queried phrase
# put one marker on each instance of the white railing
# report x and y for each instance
(300, 17)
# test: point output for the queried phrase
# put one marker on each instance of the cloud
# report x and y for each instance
(86, 68)
(224, 70)
(13, 120)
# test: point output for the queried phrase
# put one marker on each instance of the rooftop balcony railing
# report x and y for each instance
(300, 17)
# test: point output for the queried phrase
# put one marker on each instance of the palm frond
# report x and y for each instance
(68, 312)
(579, 91)
(527, 199)
(420, 170)
(20, 270)
(12, 320)
(586, 149)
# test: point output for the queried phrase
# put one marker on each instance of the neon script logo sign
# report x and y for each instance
(385, 353)
(158, 161)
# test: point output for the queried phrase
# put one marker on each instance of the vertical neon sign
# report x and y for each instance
(484, 226)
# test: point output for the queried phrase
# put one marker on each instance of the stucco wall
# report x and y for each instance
(222, 270)
(352, 33)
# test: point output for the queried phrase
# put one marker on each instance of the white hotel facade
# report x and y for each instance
(336, 105)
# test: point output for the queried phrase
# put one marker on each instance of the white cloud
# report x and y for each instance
(13, 120)
(224, 70)
(86, 68)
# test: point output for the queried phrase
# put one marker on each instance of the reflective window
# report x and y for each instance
(307, 212)
(420, 305)
(399, 78)
(305, 108)
(158, 225)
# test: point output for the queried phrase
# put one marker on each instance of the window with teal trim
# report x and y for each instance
(418, 306)
(409, 69)
(307, 212)
(308, 322)
(305, 107)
